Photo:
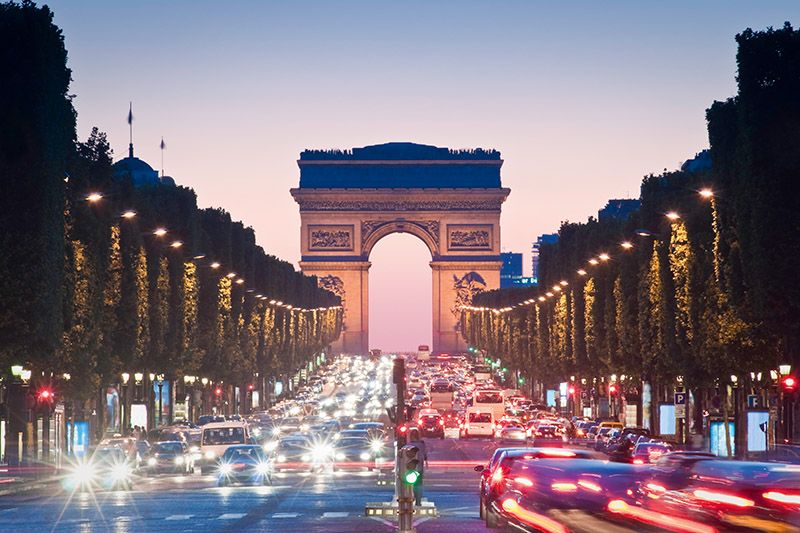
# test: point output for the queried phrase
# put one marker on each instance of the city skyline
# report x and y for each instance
(585, 99)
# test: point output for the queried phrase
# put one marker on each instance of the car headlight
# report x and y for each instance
(209, 455)
(376, 446)
(340, 456)
(120, 472)
(256, 432)
(281, 458)
(263, 468)
(179, 460)
(225, 469)
(276, 431)
(83, 473)
(321, 451)
(306, 457)
(270, 446)
(151, 461)
(304, 427)
(194, 449)
(364, 456)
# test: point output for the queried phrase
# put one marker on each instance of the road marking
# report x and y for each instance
(179, 517)
(231, 516)
(461, 513)
(335, 514)
(285, 515)
(441, 484)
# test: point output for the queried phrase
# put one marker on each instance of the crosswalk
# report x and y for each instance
(239, 516)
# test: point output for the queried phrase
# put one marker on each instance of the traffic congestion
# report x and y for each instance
(529, 468)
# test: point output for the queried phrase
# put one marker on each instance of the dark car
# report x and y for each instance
(673, 470)
(431, 425)
(244, 464)
(293, 453)
(649, 452)
(546, 435)
(495, 478)
(752, 495)
(168, 456)
(353, 452)
(202, 420)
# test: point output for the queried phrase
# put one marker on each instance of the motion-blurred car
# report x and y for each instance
(431, 425)
(546, 435)
(244, 464)
(649, 452)
(511, 433)
(107, 468)
(353, 453)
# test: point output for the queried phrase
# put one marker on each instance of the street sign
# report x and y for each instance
(680, 404)
(753, 401)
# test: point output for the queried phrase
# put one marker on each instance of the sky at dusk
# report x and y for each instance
(581, 98)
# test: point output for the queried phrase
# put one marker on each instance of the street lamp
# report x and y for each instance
(785, 370)
(159, 232)
(128, 214)
(160, 381)
(672, 215)
(94, 197)
(125, 422)
(706, 193)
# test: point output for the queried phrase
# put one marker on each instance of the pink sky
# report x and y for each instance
(582, 99)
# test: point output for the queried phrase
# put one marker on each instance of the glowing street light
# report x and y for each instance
(564, 283)
(176, 244)
(604, 257)
(549, 294)
(129, 214)
(706, 193)
(593, 261)
(542, 298)
(557, 288)
(159, 232)
(239, 281)
(94, 197)
(581, 272)
(626, 245)
(214, 265)
(230, 275)
(672, 215)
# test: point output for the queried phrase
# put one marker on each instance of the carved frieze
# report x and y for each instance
(337, 237)
(469, 237)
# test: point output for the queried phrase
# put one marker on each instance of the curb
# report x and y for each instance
(27, 487)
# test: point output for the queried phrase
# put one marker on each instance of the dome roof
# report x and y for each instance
(132, 164)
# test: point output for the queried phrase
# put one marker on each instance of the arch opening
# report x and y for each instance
(400, 289)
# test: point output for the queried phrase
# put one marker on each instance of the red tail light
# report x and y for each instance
(441, 422)
(497, 476)
(722, 497)
(638, 461)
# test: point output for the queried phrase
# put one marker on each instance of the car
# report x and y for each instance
(292, 453)
(244, 464)
(649, 452)
(431, 425)
(546, 435)
(478, 424)
(168, 456)
(511, 432)
(729, 495)
(108, 468)
(217, 437)
(354, 452)
(495, 476)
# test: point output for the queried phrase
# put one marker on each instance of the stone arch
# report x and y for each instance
(373, 231)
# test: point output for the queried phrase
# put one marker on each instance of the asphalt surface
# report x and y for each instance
(296, 501)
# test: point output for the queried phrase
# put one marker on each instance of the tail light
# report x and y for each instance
(564, 487)
(441, 422)
(497, 476)
(538, 433)
(590, 485)
(638, 461)
(722, 497)
(580, 433)
(781, 497)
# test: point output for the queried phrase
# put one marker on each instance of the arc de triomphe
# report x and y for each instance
(450, 199)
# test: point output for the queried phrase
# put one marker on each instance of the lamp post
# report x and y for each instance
(189, 382)
(160, 381)
(125, 418)
(204, 406)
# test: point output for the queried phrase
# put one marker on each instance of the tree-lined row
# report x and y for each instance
(90, 288)
(700, 283)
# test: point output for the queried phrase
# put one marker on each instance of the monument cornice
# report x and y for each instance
(346, 162)
(399, 200)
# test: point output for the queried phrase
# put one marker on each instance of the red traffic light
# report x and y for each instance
(218, 391)
(612, 389)
(789, 383)
(250, 387)
(45, 395)
(571, 391)
(402, 429)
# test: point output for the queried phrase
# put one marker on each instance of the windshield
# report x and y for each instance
(480, 418)
(253, 453)
(217, 436)
(168, 447)
(352, 442)
(293, 445)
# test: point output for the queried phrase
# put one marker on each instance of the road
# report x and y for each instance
(296, 502)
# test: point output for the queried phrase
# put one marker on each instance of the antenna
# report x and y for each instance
(163, 146)
(130, 127)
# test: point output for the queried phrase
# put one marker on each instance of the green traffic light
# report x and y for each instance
(412, 477)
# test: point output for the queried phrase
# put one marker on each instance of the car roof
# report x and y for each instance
(226, 424)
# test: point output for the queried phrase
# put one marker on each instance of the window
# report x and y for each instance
(222, 436)
(480, 418)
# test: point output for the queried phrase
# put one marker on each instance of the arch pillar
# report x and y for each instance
(350, 281)
(455, 283)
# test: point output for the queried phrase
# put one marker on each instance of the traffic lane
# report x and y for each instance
(313, 503)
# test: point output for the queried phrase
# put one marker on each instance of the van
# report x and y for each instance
(478, 424)
(217, 437)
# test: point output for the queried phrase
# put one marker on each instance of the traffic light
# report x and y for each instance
(789, 384)
(45, 395)
(571, 390)
(402, 430)
(410, 472)
(612, 389)
(218, 391)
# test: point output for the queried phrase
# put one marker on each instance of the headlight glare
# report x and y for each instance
(151, 461)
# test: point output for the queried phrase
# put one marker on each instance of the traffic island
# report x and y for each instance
(391, 509)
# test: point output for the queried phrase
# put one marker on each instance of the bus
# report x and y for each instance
(423, 352)
(442, 394)
(482, 372)
(489, 401)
